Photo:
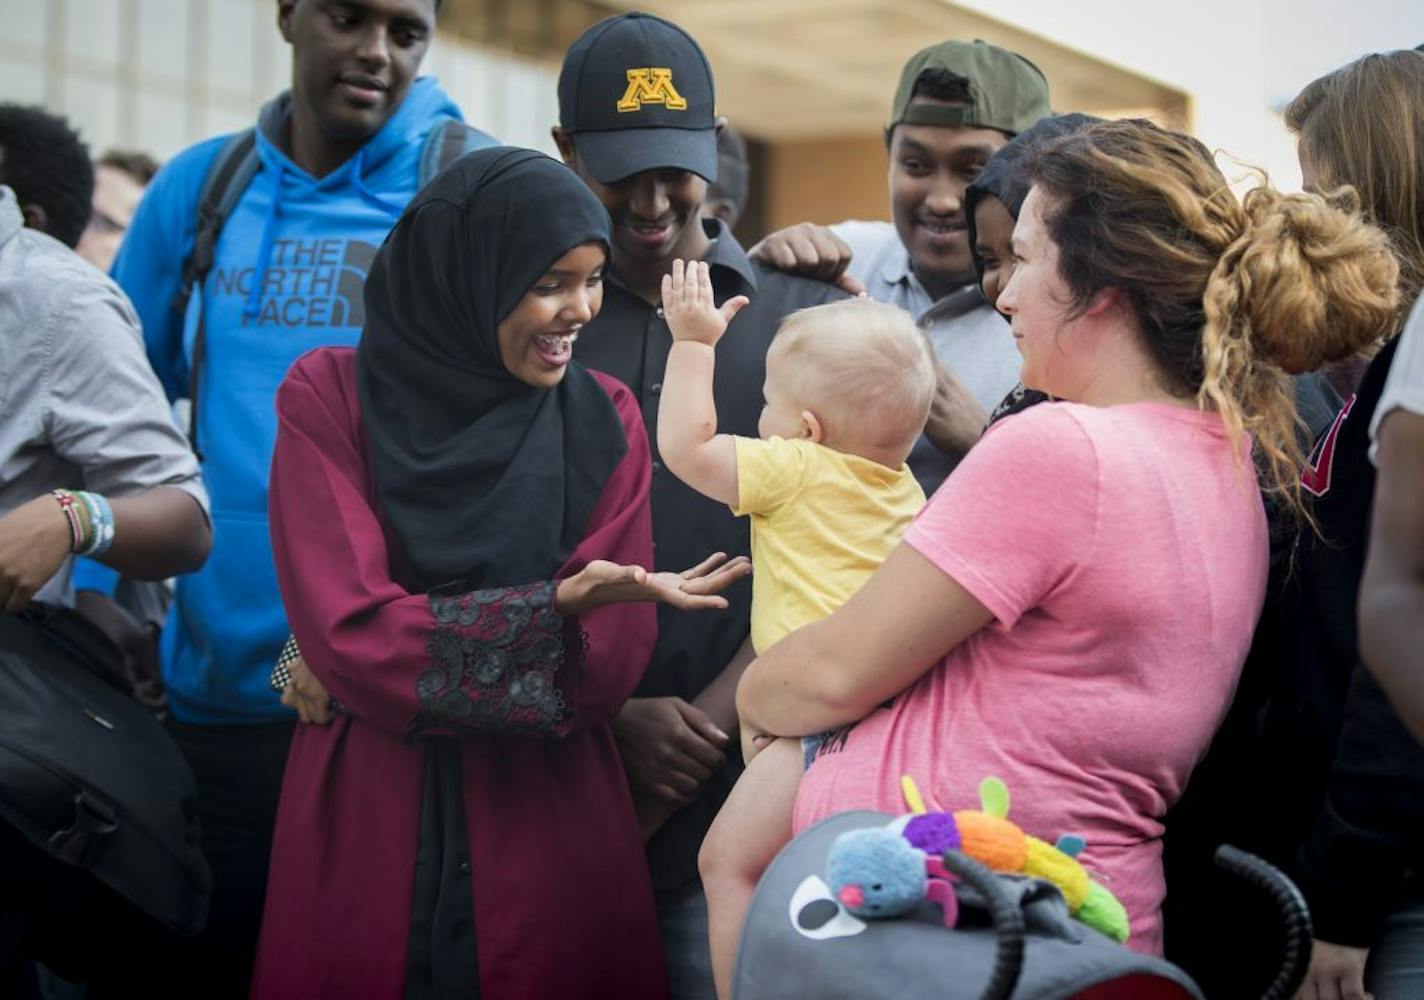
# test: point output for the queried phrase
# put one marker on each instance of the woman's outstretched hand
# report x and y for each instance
(602, 582)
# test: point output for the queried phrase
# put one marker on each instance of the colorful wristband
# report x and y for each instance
(102, 519)
(76, 513)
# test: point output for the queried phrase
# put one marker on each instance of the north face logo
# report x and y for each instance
(308, 282)
(651, 85)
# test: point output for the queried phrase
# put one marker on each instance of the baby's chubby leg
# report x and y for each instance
(753, 825)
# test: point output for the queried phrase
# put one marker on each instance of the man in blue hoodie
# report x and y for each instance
(339, 159)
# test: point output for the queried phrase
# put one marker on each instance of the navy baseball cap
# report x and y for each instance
(636, 93)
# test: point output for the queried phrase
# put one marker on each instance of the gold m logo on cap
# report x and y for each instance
(651, 85)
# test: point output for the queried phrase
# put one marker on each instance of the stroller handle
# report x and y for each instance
(1295, 915)
(1008, 922)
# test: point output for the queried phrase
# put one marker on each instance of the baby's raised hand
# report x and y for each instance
(688, 305)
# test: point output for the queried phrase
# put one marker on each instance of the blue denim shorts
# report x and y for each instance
(811, 747)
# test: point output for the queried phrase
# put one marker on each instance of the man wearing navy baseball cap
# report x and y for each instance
(638, 122)
(664, 114)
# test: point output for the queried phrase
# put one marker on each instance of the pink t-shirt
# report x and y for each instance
(1123, 553)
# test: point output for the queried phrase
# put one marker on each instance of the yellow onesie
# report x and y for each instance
(822, 522)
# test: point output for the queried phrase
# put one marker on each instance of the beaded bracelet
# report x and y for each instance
(91, 521)
(101, 517)
(77, 514)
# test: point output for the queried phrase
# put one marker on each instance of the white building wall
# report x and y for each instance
(1215, 50)
(158, 75)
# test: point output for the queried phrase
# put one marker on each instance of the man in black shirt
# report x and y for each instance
(636, 122)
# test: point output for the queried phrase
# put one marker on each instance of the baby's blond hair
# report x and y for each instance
(862, 368)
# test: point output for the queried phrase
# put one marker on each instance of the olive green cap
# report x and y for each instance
(1007, 92)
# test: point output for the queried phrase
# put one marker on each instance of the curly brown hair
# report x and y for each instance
(1230, 295)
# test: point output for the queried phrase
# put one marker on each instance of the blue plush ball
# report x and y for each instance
(875, 872)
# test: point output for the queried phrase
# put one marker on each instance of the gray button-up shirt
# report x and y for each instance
(80, 407)
(969, 338)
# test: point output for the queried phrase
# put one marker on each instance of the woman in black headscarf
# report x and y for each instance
(459, 515)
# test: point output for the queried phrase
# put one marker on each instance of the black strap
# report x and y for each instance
(452, 144)
(233, 169)
(443, 147)
(446, 144)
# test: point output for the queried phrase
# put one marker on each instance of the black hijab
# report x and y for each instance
(1008, 174)
(484, 479)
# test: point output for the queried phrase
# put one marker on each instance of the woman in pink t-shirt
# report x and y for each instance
(1071, 610)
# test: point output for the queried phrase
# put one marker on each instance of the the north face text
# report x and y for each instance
(311, 282)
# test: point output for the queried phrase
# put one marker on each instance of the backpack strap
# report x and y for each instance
(227, 178)
(446, 144)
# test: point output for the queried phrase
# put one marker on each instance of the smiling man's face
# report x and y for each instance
(354, 60)
(930, 166)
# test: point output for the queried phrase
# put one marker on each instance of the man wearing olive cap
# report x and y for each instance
(957, 103)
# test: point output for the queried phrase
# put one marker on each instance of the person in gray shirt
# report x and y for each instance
(90, 460)
(956, 105)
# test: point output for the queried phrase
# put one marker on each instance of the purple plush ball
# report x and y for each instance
(934, 833)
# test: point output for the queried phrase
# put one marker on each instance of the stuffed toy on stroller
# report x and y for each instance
(943, 904)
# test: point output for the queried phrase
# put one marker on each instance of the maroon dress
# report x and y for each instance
(562, 906)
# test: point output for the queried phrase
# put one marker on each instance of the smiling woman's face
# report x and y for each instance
(536, 339)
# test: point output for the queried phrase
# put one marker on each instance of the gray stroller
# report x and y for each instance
(1014, 938)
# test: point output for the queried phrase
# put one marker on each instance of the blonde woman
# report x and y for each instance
(1345, 812)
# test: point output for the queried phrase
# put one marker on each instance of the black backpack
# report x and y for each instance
(99, 836)
(227, 178)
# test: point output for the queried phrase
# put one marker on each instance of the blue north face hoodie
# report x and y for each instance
(287, 277)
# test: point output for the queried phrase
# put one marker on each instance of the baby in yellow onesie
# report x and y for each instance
(848, 390)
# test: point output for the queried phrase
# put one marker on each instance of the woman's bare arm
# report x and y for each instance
(901, 623)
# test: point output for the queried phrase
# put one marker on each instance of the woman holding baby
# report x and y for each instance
(1071, 610)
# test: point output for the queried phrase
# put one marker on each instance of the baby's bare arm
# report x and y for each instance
(687, 425)
(688, 442)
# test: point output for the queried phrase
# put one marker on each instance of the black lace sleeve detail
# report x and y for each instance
(497, 659)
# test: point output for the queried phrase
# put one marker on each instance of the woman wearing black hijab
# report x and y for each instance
(459, 515)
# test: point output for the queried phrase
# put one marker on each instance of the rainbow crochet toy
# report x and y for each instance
(872, 873)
